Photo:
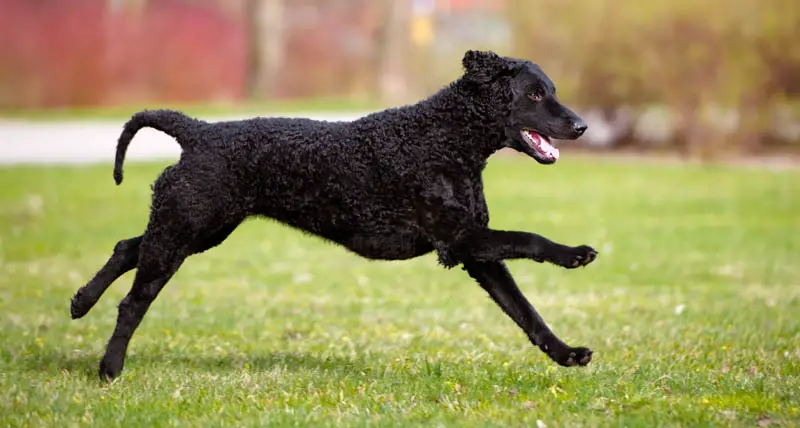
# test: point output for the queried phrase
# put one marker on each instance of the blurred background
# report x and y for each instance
(701, 78)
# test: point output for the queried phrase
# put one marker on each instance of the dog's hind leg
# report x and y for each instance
(161, 254)
(215, 238)
(122, 260)
(187, 218)
(495, 278)
(159, 259)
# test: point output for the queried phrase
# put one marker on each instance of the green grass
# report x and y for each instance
(205, 109)
(692, 308)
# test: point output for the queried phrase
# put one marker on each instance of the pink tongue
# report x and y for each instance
(544, 146)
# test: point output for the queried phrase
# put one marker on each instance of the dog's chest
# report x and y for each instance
(470, 195)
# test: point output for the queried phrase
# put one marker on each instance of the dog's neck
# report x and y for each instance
(472, 117)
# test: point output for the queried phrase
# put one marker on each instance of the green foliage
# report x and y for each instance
(690, 55)
(691, 309)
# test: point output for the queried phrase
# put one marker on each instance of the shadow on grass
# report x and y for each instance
(54, 362)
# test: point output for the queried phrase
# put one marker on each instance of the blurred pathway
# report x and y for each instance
(86, 141)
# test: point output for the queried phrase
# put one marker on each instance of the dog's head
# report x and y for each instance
(531, 114)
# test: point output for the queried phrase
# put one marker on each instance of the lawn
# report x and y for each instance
(691, 308)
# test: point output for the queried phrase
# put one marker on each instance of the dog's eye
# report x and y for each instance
(535, 95)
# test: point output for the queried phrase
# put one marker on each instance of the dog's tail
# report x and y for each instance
(171, 122)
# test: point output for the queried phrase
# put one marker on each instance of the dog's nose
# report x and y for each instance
(579, 127)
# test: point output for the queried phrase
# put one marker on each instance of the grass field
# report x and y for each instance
(693, 310)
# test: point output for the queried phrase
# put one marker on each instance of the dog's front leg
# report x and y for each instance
(458, 233)
(495, 278)
(495, 245)
(460, 237)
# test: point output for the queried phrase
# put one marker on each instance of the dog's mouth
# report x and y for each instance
(541, 147)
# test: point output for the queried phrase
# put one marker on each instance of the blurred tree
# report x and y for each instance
(119, 5)
(392, 51)
(266, 45)
(721, 69)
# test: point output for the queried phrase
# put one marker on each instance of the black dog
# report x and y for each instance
(393, 185)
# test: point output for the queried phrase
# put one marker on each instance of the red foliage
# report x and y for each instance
(78, 52)
(318, 60)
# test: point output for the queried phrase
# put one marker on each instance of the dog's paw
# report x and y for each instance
(110, 368)
(574, 257)
(78, 306)
(571, 357)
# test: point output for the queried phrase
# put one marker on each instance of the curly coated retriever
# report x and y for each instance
(392, 185)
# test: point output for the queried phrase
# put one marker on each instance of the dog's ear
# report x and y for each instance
(484, 66)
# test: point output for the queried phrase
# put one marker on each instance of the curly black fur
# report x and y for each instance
(392, 185)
